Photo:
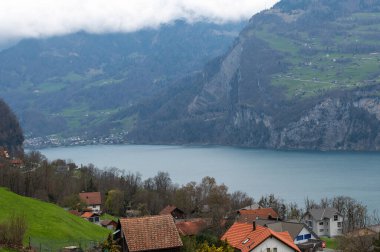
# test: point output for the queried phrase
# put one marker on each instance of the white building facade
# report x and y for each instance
(324, 222)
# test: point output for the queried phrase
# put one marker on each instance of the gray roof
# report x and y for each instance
(293, 228)
(323, 213)
(374, 228)
(251, 207)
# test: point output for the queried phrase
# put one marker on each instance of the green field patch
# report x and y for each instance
(302, 88)
(103, 82)
(129, 122)
(73, 77)
(279, 43)
(49, 224)
(106, 216)
(331, 243)
(48, 87)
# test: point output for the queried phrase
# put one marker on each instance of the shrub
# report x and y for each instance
(13, 230)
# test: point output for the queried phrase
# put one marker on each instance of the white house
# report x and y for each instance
(324, 222)
(93, 200)
(299, 232)
(246, 237)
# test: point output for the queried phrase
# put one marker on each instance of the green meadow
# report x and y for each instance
(48, 224)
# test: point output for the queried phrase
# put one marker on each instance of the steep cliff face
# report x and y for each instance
(11, 136)
(302, 75)
(332, 124)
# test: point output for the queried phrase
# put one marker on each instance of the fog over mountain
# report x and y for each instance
(35, 19)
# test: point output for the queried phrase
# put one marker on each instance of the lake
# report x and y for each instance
(290, 175)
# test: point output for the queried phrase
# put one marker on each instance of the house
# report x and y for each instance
(109, 224)
(93, 200)
(17, 163)
(173, 211)
(91, 217)
(301, 234)
(192, 226)
(75, 212)
(246, 237)
(324, 221)
(153, 233)
(249, 216)
(362, 232)
(375, 228)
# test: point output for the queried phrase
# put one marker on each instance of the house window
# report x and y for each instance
(299, 238)
(321, 223)
(268, 249)
(307, 236)
(310, 223)
(245, 241)
(321, 230)
(274, 249)
(339, 224)
(335, 217)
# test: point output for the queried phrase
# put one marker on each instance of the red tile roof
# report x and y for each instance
(249, 216)
(88, 215)
(91, 198)
(150, 233)
(168, 210)
(191, 227)
(75, 212)
(236, 234)
(243, 237)
(108, 222)
(16, 162)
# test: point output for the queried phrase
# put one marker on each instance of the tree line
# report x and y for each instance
(127, 194)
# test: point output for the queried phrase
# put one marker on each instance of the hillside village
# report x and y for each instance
(303, 75)
(254, 229)
(207, 217)
(216, 219)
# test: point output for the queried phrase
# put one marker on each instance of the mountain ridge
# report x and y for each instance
(288, 83)
(59, 85)
(301, 75)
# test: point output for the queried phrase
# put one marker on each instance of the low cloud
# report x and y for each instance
(43, 18)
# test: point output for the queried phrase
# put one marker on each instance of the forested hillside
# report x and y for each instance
(71, 85)
(11, 136)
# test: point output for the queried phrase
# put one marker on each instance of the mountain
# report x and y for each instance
(302, 75)
(11, 136)
(70, 85)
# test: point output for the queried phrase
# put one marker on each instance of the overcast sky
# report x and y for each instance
(42, 18)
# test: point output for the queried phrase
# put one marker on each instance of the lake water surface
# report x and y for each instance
(290, 175)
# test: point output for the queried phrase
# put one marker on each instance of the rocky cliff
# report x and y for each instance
(302, 75)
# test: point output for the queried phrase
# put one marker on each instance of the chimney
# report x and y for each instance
(254, 225)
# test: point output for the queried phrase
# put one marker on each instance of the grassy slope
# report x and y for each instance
(48, 222)
(312, 75)
(108, 217)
